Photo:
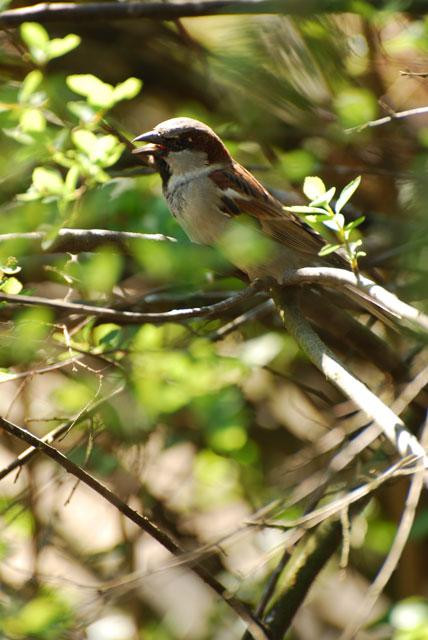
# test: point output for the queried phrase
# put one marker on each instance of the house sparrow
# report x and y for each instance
(218, 202)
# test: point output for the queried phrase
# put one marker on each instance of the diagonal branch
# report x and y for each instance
(327, 362)
(253, 625)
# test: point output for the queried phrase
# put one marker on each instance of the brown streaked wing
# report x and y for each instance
(277, 223)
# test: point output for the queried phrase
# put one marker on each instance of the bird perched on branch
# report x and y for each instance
(218, 202)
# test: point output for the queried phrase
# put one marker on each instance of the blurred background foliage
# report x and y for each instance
(197, 424)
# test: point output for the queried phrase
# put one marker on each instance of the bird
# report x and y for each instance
(219, 202)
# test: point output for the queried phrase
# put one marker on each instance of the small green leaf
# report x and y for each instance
(328, 248)
(72, 178)
(355, 223)
(82, 110)
(127, 90)
(84, 140)
(11, 285)
(97, 92)
(306, 209)
(34, 35)
(347, 193)
(324, 198)
(31, 81)
(47, 181)
(37, 40)
(60, 46)
(313, 187)
(10, 266)
(32, 120)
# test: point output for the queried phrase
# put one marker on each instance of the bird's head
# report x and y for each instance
(182, 145)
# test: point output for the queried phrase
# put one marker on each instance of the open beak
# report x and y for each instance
(152, 137)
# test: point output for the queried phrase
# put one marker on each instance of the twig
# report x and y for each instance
(414, 74)
(394, 555)
(135, 317)
(56, 433)
(80, 240)
(326, 361)
(378, 295)
(143, 522)
(64, 11)
(395, 116)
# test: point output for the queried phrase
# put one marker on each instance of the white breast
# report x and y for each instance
(194, 201)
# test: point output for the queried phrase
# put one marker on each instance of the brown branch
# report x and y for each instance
(253, 625)
(80, 240)
(136, 317)
(63, 11)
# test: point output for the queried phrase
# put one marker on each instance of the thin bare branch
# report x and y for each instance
(255, 627)
(136, 317)
(80, 240)
(394, 555)
(399, 115)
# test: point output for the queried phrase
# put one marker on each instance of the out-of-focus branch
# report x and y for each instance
(399, 115)
(327, 362)
(81, 240)
(135, 317)
(395, 553)
(63, 11)
(255, 627)
(371, 291)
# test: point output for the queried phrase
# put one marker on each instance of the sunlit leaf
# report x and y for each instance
(328, 248)
(127, 90)
(313, 187)
(97, 92)
(29, 85)
(346, 193)
(37, 39)
(355, 106)
(324, 198)
(355, 223)
(306, 209)
(32, 120)
(47, 181)
(11, 285)
(60, 46)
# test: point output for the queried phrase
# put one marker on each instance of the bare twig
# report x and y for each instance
(80, 240)
(394, 555)
(254, 626)
(135, 317)
(63, 11)
(339, 277)
(326, 361)
(399, 115)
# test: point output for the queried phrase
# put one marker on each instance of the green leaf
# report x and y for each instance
(11, 285)
(127, 90)
(328, 248)
(30, 83)
(355, 106)
(306, 209)
(84, 140)
(72, 178)
(32, 120)
(10, 266)
(313, 187)
(355, 223)
(60, 46)
(347, 193)
(82, 110)
(34, 35)
(324, 198)
(37, 40)
(97, 92)
(47, 181)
